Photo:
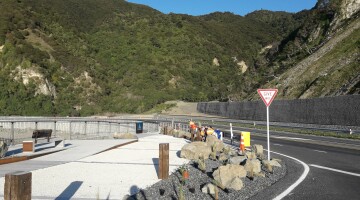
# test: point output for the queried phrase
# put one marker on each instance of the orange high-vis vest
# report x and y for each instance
(192, 125)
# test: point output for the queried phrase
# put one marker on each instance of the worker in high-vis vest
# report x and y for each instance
(191, 125)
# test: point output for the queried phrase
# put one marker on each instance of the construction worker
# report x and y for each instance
(210, 131)
(192, 128)
(191, 125)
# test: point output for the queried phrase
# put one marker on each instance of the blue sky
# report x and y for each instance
(240, 7)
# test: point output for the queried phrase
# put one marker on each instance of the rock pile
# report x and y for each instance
(216, 171)
(236, 167)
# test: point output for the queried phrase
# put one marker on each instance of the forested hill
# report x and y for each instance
(73, 57)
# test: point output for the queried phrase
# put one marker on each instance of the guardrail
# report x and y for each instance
(17, 129)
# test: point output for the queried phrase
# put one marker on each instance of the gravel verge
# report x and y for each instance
(170, 188)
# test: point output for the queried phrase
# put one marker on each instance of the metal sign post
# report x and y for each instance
(267, 95)
(231, 133)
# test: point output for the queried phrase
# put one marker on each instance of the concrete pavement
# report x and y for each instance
(76, 173)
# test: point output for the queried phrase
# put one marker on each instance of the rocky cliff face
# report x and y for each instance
(348, 8)
(322, 56)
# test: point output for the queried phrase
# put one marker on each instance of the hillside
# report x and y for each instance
(321, 58)
(76, 58)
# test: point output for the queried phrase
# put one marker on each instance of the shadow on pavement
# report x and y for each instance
(156, 165)
(69, 191)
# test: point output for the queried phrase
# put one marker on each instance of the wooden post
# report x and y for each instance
(17, 186)
(163, 160)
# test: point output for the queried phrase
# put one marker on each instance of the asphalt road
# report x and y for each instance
(320, 182)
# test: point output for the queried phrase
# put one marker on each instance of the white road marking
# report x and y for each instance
(301, 178)
(290, 138)
(278, 145)
(320, 151)
(335, 170)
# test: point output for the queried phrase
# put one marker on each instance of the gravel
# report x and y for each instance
(169, 188)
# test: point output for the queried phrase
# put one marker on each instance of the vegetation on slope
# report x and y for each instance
(113, 56)
(75, 57)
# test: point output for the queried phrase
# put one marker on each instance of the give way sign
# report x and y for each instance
(267, 95)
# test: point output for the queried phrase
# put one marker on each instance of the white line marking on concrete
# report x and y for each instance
(320, 151)
(301, 178)
(335, 170)
(278, 145)
(290, 138)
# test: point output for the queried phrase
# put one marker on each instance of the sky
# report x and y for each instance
(239, 7)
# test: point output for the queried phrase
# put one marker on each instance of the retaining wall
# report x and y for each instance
(340, 110)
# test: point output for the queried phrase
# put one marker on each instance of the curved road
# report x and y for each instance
(334, 164)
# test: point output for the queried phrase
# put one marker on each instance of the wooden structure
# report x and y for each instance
(17, 186)
(163, 160)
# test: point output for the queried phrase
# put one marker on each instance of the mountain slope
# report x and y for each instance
(84, 57)
(328, 51)
(75, 57)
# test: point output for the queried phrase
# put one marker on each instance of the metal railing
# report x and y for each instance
(18, 129)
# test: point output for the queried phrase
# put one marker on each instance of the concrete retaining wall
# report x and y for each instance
(340, 110)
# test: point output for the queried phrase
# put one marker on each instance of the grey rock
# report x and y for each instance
(210, 140)
(258, 150)
(224, 175)
(223, 157)
(253, 166)
(195, 150)
(260, 174)
(267, 165)
(250, 155)
(236, 184)
(208, 189)
(237, 160)
(275, 163)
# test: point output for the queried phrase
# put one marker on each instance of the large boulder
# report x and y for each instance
(223, 157)
(273, 163)
(195, 150)
(259, 150)
(236, 184)
(211, 140)
(229, 176)
(250, 155)
(3, 148)
(184, 134)
(168, 130)
(237, 160)
(253, 166)
(124, 136)
(266, 164)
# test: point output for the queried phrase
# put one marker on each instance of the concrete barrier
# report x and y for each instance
(340, 110)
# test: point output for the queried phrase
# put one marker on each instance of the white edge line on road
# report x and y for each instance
(335, 170)
(320, 151)
(293, 186)
(278, 145)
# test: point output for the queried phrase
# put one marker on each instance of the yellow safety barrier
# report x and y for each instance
(246, 136)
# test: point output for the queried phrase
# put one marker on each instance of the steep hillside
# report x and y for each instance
(74, 57)
(84, 57)
(322, 57)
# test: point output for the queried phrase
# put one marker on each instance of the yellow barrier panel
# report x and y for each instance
(246, 136)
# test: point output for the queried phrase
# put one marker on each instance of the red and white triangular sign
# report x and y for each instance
(267, 95)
